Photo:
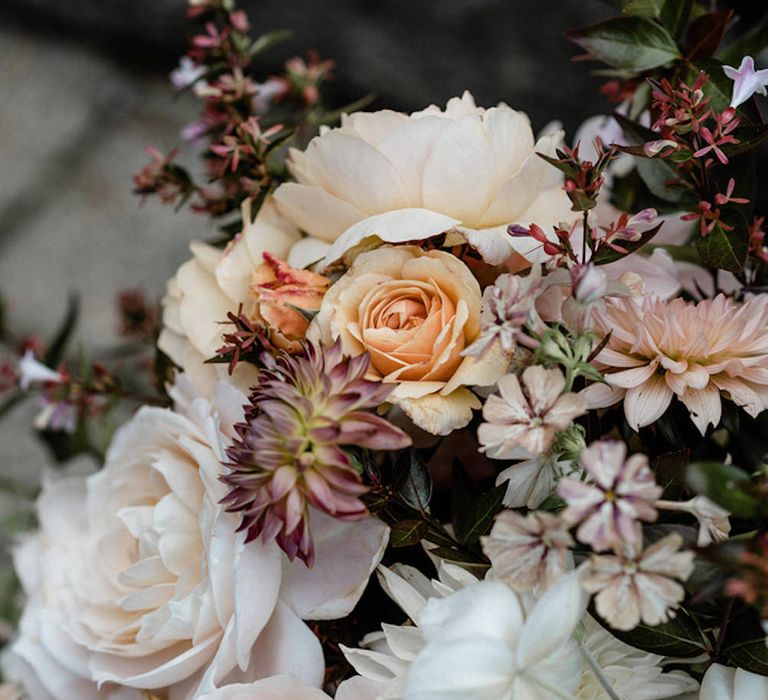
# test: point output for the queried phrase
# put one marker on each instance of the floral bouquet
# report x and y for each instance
(446, 411)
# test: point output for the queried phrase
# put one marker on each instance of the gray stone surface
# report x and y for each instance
(73, 126)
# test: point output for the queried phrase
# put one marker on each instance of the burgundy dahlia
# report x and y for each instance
(290, 454)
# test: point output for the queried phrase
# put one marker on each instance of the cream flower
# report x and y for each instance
(482, 643)
(385, 659)
(726, 683)
(399, 177)
(275, 688)
(212, 284)
(632, 674)
(414, 311)
(632, 588)
(520, 424)
(384, 662)
(528, 552)
(660, 349)
(138, 577)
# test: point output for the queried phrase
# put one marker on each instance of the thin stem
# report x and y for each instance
(612, 694)
(584, 237)
(723, 627)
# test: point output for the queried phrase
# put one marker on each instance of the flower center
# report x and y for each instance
(610, 496)
(404, 314)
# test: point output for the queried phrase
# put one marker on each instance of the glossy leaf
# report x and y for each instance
(407, 532)
(724, 250)
(416, 487)
(634, 44)
(473, 508)
(680, 637)
(751, 43)
(675, 15)
(724, 484)
(644, 8)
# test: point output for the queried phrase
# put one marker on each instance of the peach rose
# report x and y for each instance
(414, 311)
(280, 294)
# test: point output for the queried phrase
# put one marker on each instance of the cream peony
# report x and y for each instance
(138, 578)
(399, 177)
(414, 311)
(213, 283)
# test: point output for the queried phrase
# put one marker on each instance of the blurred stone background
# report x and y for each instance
(84, 88)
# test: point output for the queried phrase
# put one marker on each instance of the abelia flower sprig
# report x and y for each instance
(305, 413)
(583, 178)
(218, 69)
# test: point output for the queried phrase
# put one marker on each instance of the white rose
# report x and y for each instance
(213, 283)
(138, 578)
(403, 177)
(277, 688)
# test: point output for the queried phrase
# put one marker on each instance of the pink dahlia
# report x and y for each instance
(290, 454)
(620, 493)
(695, 351)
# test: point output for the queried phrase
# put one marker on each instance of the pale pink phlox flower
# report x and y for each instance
(620, 493)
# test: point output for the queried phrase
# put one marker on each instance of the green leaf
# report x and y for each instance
(473, 509)
(726, 485)
(465, 559)
(267, 41)
(416, 488)
(607, 255)
(724, 250)
(751, 43)
(752, 656)
(705, 34)
(680, 637)
(407, 532)
(657, 173)
(634, 44)
(644, 8)
(681, 253)
(675, 16)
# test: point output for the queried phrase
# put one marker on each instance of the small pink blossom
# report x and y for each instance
(528, 552)
(32, 371)
(621, 493)
(746, 80)
(714, 522)
(632, 588)
(523, 422)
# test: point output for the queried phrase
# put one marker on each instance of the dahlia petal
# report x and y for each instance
(704, 406)
(646, 403)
